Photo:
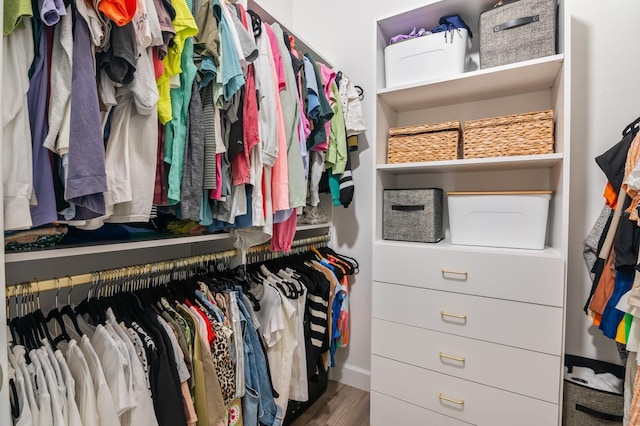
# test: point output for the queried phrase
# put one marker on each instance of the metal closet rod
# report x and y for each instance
(133, 271)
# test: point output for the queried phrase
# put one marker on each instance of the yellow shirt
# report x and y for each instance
(185, 26)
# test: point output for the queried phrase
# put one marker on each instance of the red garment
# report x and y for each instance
(277, 57)
(211, 335)
(216, 194)
(121, 12)
(241, 164)
(158, 66)
(283, 234)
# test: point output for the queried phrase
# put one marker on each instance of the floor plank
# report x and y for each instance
(340, 405)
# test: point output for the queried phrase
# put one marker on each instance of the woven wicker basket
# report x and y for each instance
(426, 142)
(519, 134)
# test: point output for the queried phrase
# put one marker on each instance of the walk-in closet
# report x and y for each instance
(302, 213)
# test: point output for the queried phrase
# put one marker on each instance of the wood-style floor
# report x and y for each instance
(340, 405)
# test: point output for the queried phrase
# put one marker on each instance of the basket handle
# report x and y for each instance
(407, 208)
(518, 22)
(598, 414)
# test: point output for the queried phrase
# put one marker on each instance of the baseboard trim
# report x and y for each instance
(352, 376)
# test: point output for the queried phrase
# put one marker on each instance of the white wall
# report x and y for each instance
(348, 39)
(606, 97)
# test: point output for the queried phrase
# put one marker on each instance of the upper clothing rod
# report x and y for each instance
(36, 286)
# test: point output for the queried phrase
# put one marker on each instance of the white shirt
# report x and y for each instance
(58, 405)
(17, 151)
(107, 412)
(57, 139)
(278, 330)
(24, 416)
(42, 393)
(299, 390)
(73, 414)
(142, 412)
(84, 389)
(18, 353)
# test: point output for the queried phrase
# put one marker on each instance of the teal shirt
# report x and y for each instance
(231, 76)
(176, 129)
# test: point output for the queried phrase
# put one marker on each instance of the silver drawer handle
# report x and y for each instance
(453, 358)
(464, 275)
(455, 401)
(446, 314)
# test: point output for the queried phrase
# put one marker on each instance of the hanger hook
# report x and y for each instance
(57, 292)
(70, 289)
(37, 301)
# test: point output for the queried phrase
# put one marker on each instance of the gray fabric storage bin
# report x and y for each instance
(586, 406)
(413, 215)
(517, 31)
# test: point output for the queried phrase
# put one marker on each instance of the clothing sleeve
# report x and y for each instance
(267, 108)
(181, 366)
(351, 108)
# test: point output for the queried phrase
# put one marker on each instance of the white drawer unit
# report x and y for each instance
(516, 370)
(386, 411)
(463, 400)
(492, 273)
(523, 325)
(472, 334)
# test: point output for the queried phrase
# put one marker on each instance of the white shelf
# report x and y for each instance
(427, 16)
(520, 162)
(446, 245)
(110, 247)
(507, 80)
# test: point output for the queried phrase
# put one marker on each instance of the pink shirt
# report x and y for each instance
(277, 57)
(280, 170)
(328, 76)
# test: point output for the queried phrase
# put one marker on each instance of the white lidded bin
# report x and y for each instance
(512, 219)
(426, 58)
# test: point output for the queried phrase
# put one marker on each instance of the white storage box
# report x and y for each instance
(426, 58)
(514, 219)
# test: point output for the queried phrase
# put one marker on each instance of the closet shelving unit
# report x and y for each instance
(460, 334)
(62, 262)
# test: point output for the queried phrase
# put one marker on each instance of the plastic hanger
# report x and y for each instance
(55, 314)
(14, 401)
(634, 126)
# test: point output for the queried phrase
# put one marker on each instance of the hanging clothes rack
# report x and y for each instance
(34, 287)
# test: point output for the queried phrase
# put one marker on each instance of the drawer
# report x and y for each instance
(457, 398)
(529, 373)
(523, 325)
(387, 411)
(524, 275)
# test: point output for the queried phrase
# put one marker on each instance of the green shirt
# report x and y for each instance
(14, 12)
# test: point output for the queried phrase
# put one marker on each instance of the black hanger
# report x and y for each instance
(15, 403)
(89, 308)
(632, 127)
(12, 331)
(41, 324)
(68, 311)
(256, 23)
(64, 336)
